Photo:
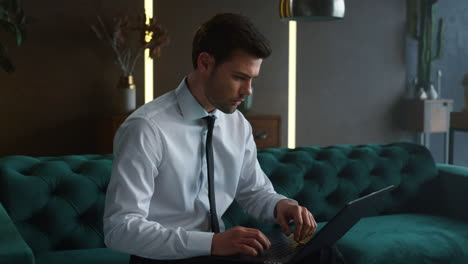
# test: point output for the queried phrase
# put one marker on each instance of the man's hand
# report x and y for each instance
(303, 220)
(239, 240)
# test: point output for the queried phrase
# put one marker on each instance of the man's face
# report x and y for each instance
(230, 83)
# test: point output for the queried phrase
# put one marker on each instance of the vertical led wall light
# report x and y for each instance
(149, 66)
(292, 85)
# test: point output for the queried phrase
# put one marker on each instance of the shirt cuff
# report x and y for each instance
(199, 243)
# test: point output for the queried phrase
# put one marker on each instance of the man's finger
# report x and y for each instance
(257, 235)
(298, 223)
(245, 249)
(283, 222)
(314, 224)
(307, 224)
(253, 243)
(261, 238)
(265, 241)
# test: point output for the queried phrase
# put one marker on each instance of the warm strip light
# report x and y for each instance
(292, 85)
(149, 84)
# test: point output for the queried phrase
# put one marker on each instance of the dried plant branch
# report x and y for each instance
(129, 37)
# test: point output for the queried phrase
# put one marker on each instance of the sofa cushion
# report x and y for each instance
(406, 238)
(83, 256)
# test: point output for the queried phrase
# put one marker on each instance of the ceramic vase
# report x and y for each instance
(432, 93)
(125, 97)
(422, 95)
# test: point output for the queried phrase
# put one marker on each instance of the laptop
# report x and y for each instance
(285, 250)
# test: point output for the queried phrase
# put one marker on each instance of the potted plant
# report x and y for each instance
(128, 36)
(12, 20)
(429, 35)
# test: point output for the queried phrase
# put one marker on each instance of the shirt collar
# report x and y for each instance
(189, 107)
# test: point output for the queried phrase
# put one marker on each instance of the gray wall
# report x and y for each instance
(351, 73)
(351, 76)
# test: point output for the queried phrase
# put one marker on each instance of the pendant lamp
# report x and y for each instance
(312, 10)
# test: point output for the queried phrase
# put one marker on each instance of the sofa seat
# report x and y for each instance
(88, 256)
(406, 238)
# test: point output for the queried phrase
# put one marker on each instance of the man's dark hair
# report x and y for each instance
(225, 33)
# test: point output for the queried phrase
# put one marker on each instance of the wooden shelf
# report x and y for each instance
(459, 120)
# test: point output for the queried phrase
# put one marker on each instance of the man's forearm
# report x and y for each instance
(149, 239)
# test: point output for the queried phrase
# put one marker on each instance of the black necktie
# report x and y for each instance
(210, 169)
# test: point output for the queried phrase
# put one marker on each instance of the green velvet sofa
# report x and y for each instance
(51, 207)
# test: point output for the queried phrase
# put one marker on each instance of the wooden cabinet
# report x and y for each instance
(266, 130)
(458, 122)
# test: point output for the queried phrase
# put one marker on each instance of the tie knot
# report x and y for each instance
(210, 120)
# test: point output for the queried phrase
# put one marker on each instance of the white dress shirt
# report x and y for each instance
(157, 200)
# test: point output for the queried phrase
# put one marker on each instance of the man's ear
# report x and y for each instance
(205, 62)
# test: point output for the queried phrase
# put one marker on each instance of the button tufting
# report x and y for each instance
(322, 156)
(375, 172)
(54, 192)
(78, 170)
(406, 170)
(25, 173)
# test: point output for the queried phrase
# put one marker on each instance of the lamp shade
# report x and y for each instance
(312, 10)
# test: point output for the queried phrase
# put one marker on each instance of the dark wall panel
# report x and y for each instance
(65, 78)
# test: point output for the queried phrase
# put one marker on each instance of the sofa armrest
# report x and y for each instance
(13, 249)
(444, 195)
(453, 182)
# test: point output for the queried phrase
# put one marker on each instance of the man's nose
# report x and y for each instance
(247, 88)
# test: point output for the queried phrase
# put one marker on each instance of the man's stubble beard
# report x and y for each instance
(212, 87)
(226, 110)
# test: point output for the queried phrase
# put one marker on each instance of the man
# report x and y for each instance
(157, 203)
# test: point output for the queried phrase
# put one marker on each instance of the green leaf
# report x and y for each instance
(19, 36)
(3, 13)
(6, 64)
(8, 26)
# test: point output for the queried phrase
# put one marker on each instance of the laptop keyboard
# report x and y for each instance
(282, 247)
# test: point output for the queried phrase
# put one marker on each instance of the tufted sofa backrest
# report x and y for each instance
(57, 203)
(324, 179)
